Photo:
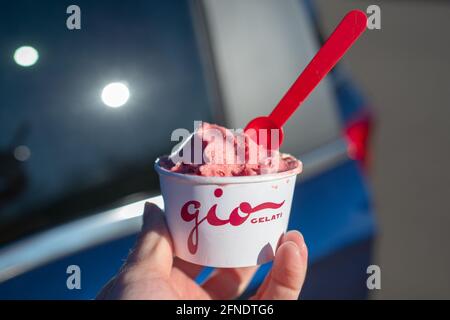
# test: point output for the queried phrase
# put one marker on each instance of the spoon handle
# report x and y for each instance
(342, 38)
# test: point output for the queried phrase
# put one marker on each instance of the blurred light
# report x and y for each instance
(26, 56)
(115, 94)
(358, 134)
(22, 153)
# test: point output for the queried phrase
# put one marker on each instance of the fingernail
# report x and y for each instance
(301, 236)
(304, 249)
(146, 209)
(293, 244)
(147, 216)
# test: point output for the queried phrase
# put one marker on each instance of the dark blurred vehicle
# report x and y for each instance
(73, 184)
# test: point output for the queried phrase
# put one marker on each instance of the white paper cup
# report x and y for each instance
(227, 221)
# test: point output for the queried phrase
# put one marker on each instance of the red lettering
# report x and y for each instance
(213, 219)
(186, 215)
(235, 219)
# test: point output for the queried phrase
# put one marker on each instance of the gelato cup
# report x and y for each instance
(231, 221)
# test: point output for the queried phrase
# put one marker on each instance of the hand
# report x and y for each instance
(152, 272)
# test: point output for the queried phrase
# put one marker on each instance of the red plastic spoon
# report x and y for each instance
(342, 38)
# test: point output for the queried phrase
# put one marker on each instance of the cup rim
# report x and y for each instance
(229, 180)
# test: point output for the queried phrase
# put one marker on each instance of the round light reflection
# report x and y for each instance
(22, 153)
(26, 56)
(115, 94)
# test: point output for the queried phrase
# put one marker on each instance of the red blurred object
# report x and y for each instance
(357, 132)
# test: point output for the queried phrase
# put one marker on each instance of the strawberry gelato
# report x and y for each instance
(213, 150)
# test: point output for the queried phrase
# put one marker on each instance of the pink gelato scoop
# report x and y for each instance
(213, 150)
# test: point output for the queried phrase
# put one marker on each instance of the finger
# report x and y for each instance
(294, 236)
(288, 272)
(153, 249)
(189, 269)
(186, 287)
(227, 283)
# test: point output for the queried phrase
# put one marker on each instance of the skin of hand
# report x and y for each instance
(152, 273)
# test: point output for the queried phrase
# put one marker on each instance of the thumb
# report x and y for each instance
(153, 250)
